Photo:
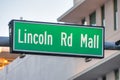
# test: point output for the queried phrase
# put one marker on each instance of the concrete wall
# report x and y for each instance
(37, 67)
(99, 78)
(98, 16)
(110, 76)
(40, 68)
(109, 21)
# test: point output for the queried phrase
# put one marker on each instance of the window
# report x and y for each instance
(93, 19)
(115, 15)
(103, 15)
(116, 72)
(84, 21)
(104, 78)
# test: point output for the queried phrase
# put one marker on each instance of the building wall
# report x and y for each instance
(41, 68)
(110, 34)
(110, 76)
(99, 78)
(109, 21)
(98, 16)
(37, 67)
(87, 19)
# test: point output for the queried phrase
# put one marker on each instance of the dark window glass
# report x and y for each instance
(93, 19)
(116, 74)
(83, 21)
(104, 78)
(115, 15)
(103, 15)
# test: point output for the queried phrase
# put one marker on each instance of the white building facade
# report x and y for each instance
(97, 13)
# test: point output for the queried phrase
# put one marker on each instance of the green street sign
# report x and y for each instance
(56, 39)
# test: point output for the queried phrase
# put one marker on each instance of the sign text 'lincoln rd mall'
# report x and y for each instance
(56, 39)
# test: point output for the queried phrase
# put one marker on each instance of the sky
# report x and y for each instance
(33, 10)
